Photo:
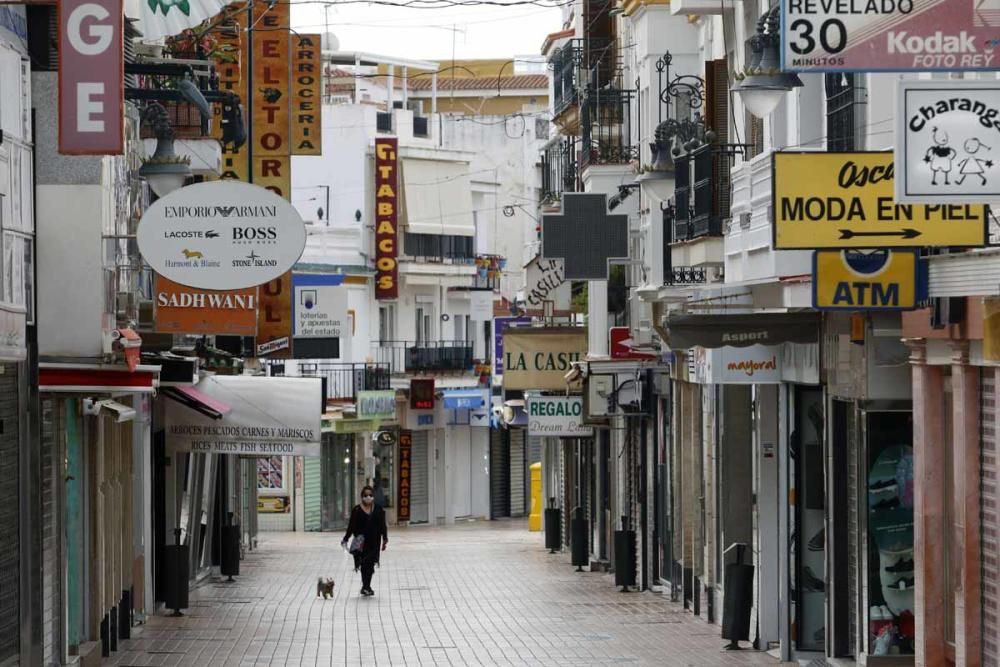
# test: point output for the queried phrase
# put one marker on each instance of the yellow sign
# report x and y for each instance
(307, 95)
(231, 64)
(879, 280)
(846, 200)
(541, 358)
(991, 329)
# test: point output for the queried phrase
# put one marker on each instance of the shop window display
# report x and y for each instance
(890, 534)
(809, 536)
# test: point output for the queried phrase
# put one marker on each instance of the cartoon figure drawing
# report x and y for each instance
(973, 164)
(940, 156)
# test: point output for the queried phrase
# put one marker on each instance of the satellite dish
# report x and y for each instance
(330, 42)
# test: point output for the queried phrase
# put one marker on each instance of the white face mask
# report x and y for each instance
(367, 500)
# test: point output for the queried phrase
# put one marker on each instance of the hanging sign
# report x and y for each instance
(405, 466)
(557, 416)
(540, 358)
(422, 394)
(847, 200)
(889, 35)
(853, 280)
(545, 281)
(272, 146)
(91, 77)
(319, 306)
(189, 310)
(623, 347)
(274, 318)
(948, 141)
(386, 219)
(231, 61)
(307, 95)
(377, 404)
(500, 325)
(754, 364)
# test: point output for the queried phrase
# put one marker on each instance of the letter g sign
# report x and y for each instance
(99, 33)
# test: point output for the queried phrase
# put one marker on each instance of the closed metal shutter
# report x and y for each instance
(51, 603)
(853, 522)
(990, 518)
(9, 515)
(517, 475)
(499, 476)
(311, 492)
(418, 482)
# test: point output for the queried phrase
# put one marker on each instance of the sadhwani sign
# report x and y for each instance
(557, 416)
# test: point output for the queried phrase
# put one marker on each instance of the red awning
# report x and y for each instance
(198, 401)
(96, 378)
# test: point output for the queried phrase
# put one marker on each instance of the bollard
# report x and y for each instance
(230, 556)
(737, 598)
(553, 527)
(175, 575)
(578, 539)
(535, 517)
(625, 556)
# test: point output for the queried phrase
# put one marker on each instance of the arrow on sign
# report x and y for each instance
(905, 233)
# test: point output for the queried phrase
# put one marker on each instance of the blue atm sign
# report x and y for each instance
(872, 280)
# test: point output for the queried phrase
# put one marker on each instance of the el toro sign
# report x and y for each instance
(847, 200)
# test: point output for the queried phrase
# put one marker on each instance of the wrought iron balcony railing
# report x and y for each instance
(559, 172)
(607, 127)
(565, 64)
(343, 380)
(415, 356)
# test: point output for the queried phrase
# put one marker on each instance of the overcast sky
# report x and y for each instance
(479, 32)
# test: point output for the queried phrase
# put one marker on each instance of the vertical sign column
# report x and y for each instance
(386, 218)
(405, 464)
(91, 77)
(307, 92)
(231, 65)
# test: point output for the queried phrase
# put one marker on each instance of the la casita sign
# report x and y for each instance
(540, 358)
(557, 416)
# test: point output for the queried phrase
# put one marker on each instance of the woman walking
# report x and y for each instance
(369, 537)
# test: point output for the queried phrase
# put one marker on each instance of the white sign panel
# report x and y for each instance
(947, 142)
(221, 235)
(756, 364)
(557, 416)
(545, 282)
(481, 305)
(270, 416)
(320, 311)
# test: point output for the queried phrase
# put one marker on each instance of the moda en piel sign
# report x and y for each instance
(221, 235)
(889, 35)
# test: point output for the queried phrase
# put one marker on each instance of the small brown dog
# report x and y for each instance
(324, 587)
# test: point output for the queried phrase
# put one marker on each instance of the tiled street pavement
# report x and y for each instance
(483, 593)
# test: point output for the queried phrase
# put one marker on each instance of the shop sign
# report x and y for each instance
(91, 77)
(888, 35)
(557, 416)
(269, 416)
(274, 318)
(847, 200)
(879, 280)
(386, 219)
(385, 438)
(378, 404)
(187, 310)
(271, 78)
(231, 65)
(546, 282)
(620, 339)
(755, 364)
(422, 394)
(221, 235)
(319, 306)
(355, 425)
(540, 358)
(991, 329)
(945, 135)
(500, 325)
(405, 468)
(307, 95)
(481, 305)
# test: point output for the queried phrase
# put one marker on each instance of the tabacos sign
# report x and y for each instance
(877, 280)
(386, 219)
(557, 416)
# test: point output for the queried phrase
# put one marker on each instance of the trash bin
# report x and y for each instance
(175, 575)
(230, 565)
(737, 599)
(553, 527)
(625, 556)
(578, 539)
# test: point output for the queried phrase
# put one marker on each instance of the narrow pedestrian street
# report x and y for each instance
(479, 593)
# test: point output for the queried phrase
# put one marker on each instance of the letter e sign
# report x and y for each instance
(91, 83)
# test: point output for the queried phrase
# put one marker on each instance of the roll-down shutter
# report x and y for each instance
(418, 483)
(499, 476)
(517, 476)
(9, 515)
(990, 518)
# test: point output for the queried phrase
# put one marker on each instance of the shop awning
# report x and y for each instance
(97, 378)
(198, 401)
(463, 399)
(711, 331)
(437, 197)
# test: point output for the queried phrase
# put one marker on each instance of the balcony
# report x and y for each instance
(439, 248)
(559, 173)
(383, 122)
(701, 192)
(421, 356)
(343, 380)
(420, 127)
(607, 127)
(489, 268)
(565, 64)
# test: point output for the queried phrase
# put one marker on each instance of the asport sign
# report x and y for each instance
(386, 219)
(557, 416)
(221, 235)
(91, 77)
(889, 35)
(847, 200)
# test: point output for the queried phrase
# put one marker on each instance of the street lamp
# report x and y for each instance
(763, 83)
(165, 171)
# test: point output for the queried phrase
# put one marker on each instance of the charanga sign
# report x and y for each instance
(540, 358)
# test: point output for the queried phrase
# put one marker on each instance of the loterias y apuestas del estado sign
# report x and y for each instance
(847, 200)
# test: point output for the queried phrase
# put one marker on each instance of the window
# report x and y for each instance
(844, 98)
(386, 323)
(438, 247)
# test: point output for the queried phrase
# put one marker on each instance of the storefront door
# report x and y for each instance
(337, 465)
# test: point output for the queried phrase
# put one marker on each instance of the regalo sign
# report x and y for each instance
(386, 219)
(557, 416)
(91, 77)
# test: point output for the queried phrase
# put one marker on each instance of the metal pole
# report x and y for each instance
(327, 205)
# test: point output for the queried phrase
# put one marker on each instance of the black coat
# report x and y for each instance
(372, 526)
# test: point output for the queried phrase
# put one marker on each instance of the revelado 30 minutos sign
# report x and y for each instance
(889, 35)
(221, 235)
(847, 200)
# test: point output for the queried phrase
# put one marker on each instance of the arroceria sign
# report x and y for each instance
(879, 280)
(847, 200)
